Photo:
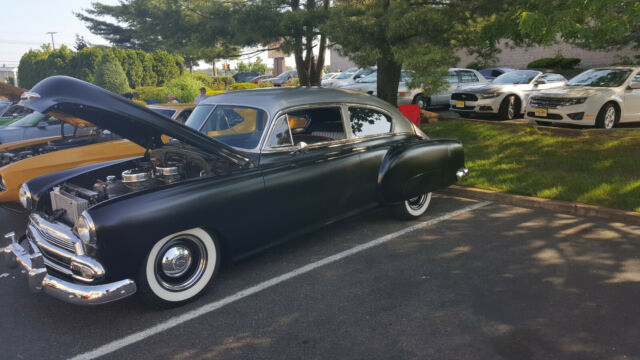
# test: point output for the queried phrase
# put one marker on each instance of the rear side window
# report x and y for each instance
(367, 122)
(468, 77)
(280, 135)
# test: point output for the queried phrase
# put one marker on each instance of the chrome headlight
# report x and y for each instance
(574, 101)
(85, 229)
(489, 95)
(25, 197)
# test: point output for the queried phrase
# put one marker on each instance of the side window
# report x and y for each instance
(550, 78)
(468, 77)
(281, 135)
(52, 121)
(636, 79)
(496, 73)
(366, 122)
(182, 117)
(317, 125)
(452, 78)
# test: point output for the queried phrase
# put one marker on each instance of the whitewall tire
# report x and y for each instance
(414, 207)
(179, 267)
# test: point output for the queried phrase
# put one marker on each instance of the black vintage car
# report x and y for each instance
(250, 169)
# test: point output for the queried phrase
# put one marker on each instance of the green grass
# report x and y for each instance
(593, 167)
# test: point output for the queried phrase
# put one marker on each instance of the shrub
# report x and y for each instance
(185, 87)
(149, 93)
(476, 65)
(222, 82)
(292, 82)
(204, 79)
(557, 62)
(265, 84)
(111, 76)
(243, 86)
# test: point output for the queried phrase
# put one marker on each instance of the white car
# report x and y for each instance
(348, 77)
(600, 97)
(506, 96)
(456, 78)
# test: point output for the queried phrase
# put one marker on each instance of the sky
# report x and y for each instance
(25, 24)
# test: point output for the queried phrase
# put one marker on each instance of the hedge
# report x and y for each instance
(111, 76)
(557, 62)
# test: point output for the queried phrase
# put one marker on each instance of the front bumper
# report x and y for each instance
(480, 106)
(573, 114)
(32, 262)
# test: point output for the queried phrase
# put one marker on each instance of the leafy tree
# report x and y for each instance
(110, 75)
(256, 66)
(149, 77)
(84, 64)
(165, 67)
(80, 43)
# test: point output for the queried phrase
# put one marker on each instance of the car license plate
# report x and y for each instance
(541, 112)
(460, 104)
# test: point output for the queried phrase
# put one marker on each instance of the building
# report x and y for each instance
(9, 73)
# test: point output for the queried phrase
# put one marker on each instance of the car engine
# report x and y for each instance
(69, 200)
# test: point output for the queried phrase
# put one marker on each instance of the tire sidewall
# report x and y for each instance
(164, 296)
(600, 121)
(414, 213)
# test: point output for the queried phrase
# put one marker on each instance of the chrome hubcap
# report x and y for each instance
(610, 117)
(181, 262)
(176, 261)
(417, 202)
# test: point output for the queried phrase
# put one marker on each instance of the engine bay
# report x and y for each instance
(71, 198)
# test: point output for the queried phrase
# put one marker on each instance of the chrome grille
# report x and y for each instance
(56, 240)
(546, 102)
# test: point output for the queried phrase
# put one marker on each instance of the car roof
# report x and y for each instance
(273, 100)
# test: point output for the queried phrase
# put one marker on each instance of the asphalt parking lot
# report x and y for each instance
(471, 280)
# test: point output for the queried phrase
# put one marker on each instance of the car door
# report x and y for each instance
(312, 183)
(442, 98)
(632, 100)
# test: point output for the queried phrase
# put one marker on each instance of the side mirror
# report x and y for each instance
(634, 85)
(541, 82)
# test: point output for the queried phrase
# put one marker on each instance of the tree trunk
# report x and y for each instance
(388, 80)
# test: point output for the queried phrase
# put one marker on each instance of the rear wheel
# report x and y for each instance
(508, 108)
(178, 268)
(421, 101)
(608, 116)
(413, 208)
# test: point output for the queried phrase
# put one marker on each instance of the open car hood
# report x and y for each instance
(11, 92)
(64, 96)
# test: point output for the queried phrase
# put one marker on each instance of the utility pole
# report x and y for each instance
(53, 45)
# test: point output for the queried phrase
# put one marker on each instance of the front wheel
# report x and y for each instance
(508, 108)
(421, 101)
(178, 268)
(414, 207)
(607, 117)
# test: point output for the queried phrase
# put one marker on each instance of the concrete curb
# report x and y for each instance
(566, 207)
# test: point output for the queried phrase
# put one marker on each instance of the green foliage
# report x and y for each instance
(557, 62)
(256, 66)
(165, 67)
(476, 65)
(242, 86)
(204, 79)
(222, 82)
(185, 87)
(585, 166)
(139, 66)
(265, 84)
(148, 93)
(110, 75)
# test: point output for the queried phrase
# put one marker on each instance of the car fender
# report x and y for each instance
(417, 168)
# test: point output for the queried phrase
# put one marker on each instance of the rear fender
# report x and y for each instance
(418, 168)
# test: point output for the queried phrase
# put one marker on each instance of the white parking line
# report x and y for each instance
(205, 309)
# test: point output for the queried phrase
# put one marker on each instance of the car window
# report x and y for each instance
(496, 73)
(468, 77)
(317, 125)
(636, 79)
(517, 77)
(30, 120)
(452, 78)
(235, 126)
(367, 122)
(182, 117)
(552, 78)
(601, 78)
(166, 112)
(281, 134)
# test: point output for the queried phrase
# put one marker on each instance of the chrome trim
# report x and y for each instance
(167, 170)
(3, 185)
(33, 263)
(135, 175)
(28, 95)
(35, 229)
(462, 173)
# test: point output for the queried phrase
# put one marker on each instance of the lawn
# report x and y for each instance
(593, 167)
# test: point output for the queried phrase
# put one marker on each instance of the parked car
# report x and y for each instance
(161, 224)
(506, 96)
(347, 77)
(9, 112)
(177, 112)
(329, 76)
(257, 79)
(244, 76)
(491, 73)
(36, 125)
(328, 83)
(600, 97)
(283, 78)
(4, 104)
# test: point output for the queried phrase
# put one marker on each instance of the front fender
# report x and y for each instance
(418, 168)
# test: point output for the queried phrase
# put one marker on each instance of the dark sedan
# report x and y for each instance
(249, 170)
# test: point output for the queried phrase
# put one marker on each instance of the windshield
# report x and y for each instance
(345, 75)
(516, 77)
(236, 126)
(285, 75)
(31, 120)
(371, 78)
(601, 78)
